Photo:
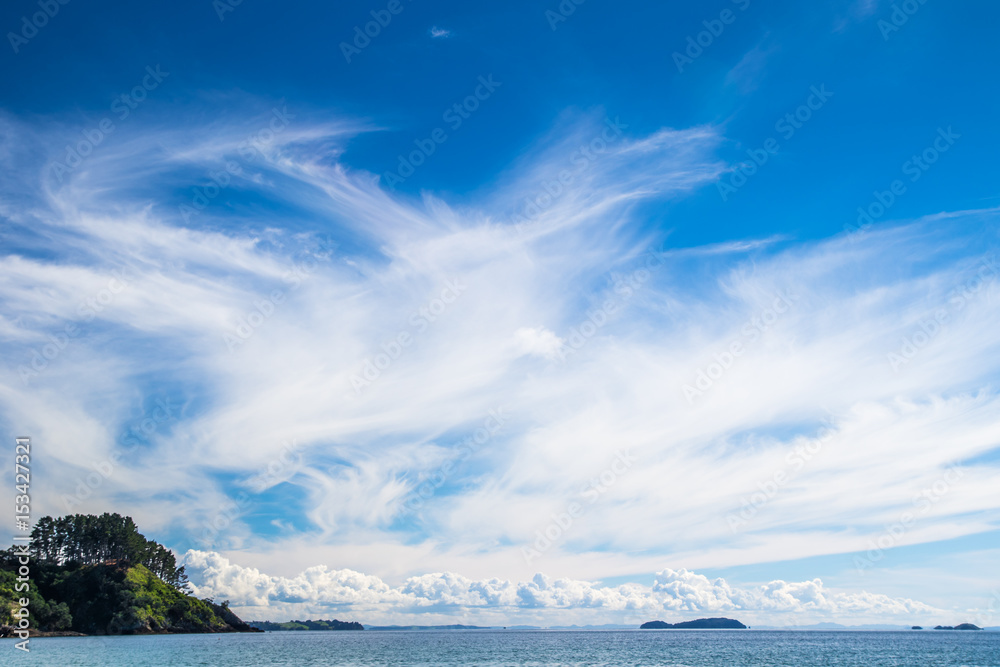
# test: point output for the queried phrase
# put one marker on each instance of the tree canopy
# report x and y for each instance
(89, 539)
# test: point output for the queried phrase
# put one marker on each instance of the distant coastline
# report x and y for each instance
(697, 624)
(305, 626)
(383, 628)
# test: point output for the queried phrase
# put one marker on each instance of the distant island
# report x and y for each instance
(98, 575)
(962, 626)
(698, 624)
(293, 626)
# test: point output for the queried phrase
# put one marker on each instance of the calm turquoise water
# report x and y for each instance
(672, 648)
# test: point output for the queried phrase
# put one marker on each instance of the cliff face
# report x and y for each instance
(110, 599)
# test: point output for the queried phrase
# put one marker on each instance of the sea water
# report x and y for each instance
(669, 648)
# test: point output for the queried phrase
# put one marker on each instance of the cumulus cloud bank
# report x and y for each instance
(678, 592)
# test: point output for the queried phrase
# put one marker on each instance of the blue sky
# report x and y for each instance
(353, 322)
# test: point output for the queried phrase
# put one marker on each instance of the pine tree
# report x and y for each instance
(90, 540)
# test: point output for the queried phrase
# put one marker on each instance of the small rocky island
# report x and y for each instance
(961, 626)
(698, 624)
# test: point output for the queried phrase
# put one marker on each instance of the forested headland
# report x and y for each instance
(99, 575)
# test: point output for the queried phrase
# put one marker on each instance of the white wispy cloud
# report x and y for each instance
(749, 71)
(381, 354)
(539, 341)
(864, 8)
(858, 11)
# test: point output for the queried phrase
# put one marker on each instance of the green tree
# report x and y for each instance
(89, 539)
